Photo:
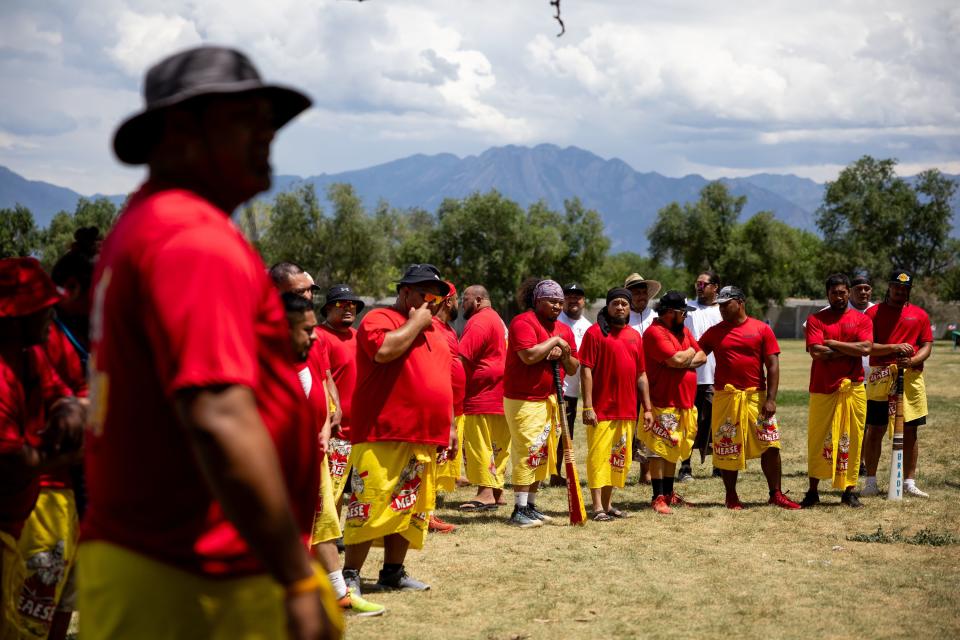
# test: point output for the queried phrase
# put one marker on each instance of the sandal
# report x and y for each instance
(602, 516)
(476, 505)
(616, 513)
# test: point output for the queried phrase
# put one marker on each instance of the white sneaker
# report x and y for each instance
(914, 491)
(869, 490)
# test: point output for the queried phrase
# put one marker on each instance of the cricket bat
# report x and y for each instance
(577, 510)
(895, 492)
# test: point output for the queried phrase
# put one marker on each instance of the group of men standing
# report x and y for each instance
(229, 426)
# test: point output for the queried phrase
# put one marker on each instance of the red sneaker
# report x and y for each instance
(734, 504)
(660, 506)
(677, 501)
(783, 501)
(439, 526)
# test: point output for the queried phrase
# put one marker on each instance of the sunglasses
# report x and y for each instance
(430, 297)
(345, 304)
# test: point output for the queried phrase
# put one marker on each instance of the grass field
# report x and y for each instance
(705, 571)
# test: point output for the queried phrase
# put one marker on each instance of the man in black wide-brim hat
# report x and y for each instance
(202, 459)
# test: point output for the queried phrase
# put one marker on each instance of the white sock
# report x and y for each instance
(871, 481)
(909, 482)
(521, 498)
(338, 583)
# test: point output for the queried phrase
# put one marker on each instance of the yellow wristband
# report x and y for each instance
(303, 585)
(588, 409)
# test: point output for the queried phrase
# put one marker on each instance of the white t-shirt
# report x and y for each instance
(640, 321)
(571, 384)
(698, 322)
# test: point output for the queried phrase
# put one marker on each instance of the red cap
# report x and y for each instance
(452, 292)
(25, 287)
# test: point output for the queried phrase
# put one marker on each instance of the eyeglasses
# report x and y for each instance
(345, 304)
(430, 298)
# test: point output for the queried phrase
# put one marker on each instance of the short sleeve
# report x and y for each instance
(202, 299)
(707, 339)
(926, 332)
(320, 353)
(523, 335)
(657, 347)
(373, 331)
(567, 334)
(768, 341)
(865, 328)
(589, 348)
(814, 331)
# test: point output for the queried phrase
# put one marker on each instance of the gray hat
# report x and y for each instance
(729, 293)
(192, 73)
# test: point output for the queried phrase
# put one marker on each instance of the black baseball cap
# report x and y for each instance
(901, 276)
(729, 293)
(339, 292)
(420, 273)
(573, 287)
(673, 300)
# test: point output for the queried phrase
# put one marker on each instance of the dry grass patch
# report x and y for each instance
(706, 571)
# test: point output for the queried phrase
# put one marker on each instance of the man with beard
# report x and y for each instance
(449, 461)
(483, 350)
(402, 417)
(572, 316)
(198, 424)
(536, 340)
(837, 339)
(744, 423)
(641, 316)
(671, 355)
(41, 426)
(302, 321)
(612, 372)
(902, 338)
(705, 314)
(341, 307)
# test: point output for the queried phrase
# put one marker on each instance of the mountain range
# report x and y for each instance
(626, 199)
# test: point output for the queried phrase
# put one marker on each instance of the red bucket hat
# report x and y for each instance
(25, 288)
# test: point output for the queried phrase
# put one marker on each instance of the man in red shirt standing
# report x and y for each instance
(535, 341)
(40, 430)
(449, 461)
(744, 423)
(483, 349)
(201, 458)
(341, 307)
(671, 356)
(402, 417)
(611, 374)
(901, 338)
(837, 339)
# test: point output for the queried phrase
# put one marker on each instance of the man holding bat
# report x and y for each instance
(611, 374)
(837, 339)
(901, 339)
(671, 355)
(535, 340)
(744, 422)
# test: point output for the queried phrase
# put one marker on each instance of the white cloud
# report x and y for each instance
(144, 38)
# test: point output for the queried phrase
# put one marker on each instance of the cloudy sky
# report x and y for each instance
(674, 86)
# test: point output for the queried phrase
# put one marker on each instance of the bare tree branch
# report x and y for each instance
(556, 4)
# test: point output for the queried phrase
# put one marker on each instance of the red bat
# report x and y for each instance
(578, 513)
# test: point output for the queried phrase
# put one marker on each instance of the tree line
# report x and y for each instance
(871, 221)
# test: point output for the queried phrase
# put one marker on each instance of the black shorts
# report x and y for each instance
(878, 412)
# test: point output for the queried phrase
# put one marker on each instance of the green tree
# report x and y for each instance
(873, 220)
(616, 267)
(18, 232)
(57, 238)
(694, 236)
(292, 229)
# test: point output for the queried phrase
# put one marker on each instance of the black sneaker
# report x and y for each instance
(685, 475)
(851, 499)
(400, 581)
(810, 498)
(352, 578)
(521, 517)
(533, 512)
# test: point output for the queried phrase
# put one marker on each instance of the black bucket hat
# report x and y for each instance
(192, 73)
(339, 292)
(420, 273)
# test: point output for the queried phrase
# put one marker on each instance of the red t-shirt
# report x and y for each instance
(28, 386)
(409, 399)
(532, 381)
(740, 351)
(898, 325)
(848, 326)
(181, 301)
(66, 362)
(669, 387)
(615, 362)
(311, 380)
(342, 348)
(458, 376)
(483, 349)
